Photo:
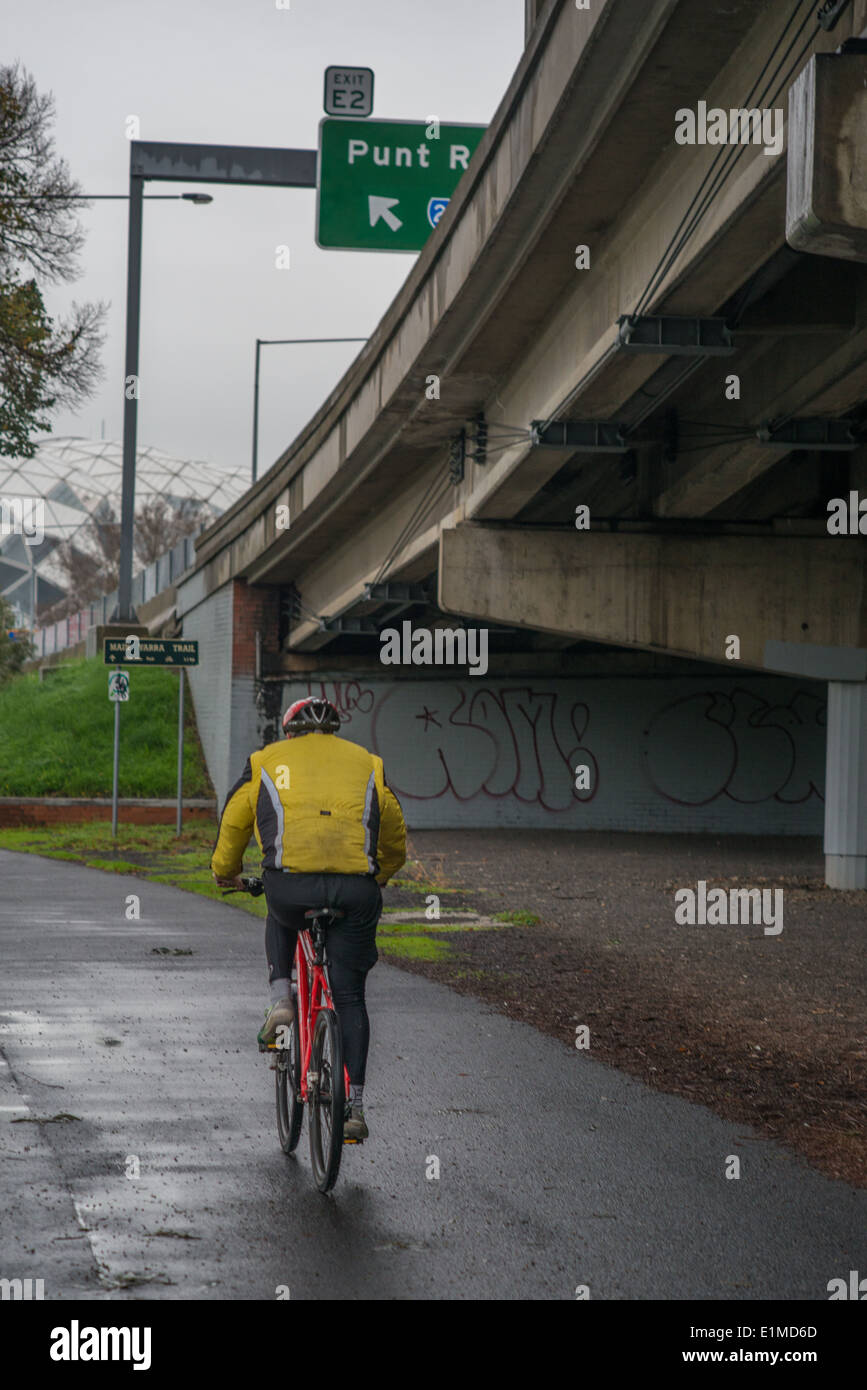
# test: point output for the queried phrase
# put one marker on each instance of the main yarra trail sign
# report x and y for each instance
(384, 185)
(151, 651)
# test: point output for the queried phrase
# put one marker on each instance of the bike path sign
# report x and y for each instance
(384, 185)
(118, 686)
(151, 651)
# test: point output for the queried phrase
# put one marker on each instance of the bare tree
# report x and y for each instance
(158, 526)
(90, 568)
(44, 363)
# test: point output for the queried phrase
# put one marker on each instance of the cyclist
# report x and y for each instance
(331, 832)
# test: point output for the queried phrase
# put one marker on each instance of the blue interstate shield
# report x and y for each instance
(435, 209)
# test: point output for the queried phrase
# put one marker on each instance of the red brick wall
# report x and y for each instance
(254, 609)
(46, 814)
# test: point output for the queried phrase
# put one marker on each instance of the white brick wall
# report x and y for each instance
(210, 624)
(718, 753)
(245, 737)
(733, 754)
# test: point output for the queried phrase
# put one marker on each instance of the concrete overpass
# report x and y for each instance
(674, 338)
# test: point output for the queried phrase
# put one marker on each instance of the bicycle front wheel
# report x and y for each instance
(290, 1107)
(326, 1097)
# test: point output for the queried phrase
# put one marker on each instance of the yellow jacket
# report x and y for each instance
(318, 804)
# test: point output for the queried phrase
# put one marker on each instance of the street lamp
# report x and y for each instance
(272, 342)
(187, 163)
(124, 611)
(106, 197)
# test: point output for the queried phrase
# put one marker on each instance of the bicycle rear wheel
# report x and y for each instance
(326, 1097)
(290, 1108)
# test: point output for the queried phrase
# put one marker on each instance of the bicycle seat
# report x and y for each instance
(332, 913)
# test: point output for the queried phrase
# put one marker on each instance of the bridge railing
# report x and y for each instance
(147, 584)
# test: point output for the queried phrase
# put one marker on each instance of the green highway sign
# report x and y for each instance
(150, 651)
(384, 185)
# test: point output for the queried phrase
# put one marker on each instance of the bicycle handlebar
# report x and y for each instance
(252, 885)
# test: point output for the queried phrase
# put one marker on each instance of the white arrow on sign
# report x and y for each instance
(381, 207)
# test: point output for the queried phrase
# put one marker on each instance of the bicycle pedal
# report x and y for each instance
(353, 1141)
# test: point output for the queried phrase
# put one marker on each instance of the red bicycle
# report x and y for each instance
(309, 1066)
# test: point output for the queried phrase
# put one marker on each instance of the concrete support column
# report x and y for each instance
(846, 785)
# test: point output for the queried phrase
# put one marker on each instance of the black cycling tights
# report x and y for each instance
(347, 991)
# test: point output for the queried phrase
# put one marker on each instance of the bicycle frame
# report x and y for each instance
(313, 995)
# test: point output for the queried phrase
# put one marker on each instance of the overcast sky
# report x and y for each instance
(238, 72)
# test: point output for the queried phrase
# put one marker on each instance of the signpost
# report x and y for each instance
(383, 185)
(348, 91)
(148, 651)
(118, 692)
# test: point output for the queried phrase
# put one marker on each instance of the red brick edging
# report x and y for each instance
(16, 811)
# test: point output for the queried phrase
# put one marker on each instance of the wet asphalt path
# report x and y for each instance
(554, 1170)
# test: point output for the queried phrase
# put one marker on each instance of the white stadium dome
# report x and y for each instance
(70, 477)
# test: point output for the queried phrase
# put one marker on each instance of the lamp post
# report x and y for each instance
(189, 163)
(124, 610)
(108, 197)
(260, 166)
(32, 589)
(272, 342)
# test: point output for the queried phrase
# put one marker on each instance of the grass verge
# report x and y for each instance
(58, 735)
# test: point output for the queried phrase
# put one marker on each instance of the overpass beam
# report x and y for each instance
(686, 595)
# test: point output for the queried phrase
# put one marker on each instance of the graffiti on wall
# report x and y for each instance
(347, 697)
(442, 739)
(514, 742)
(749, 750)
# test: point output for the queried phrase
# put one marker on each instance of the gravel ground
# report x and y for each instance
(763, 1029)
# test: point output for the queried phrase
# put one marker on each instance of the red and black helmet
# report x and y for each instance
(311, 715)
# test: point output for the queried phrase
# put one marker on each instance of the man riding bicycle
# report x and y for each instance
(331, 832)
